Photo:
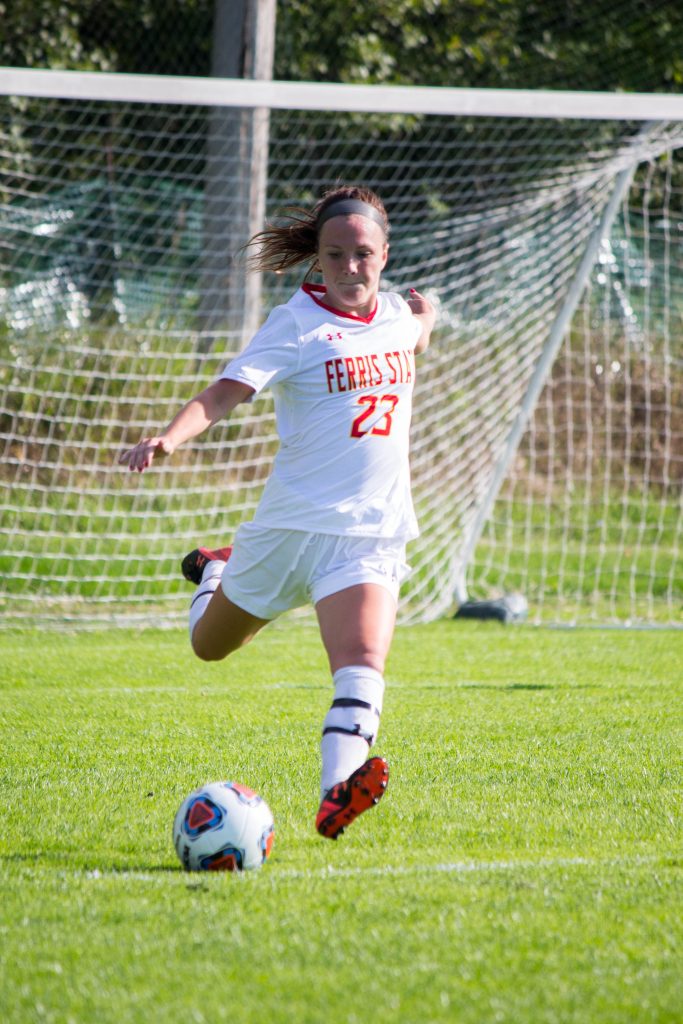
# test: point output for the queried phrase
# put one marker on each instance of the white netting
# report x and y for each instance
(117, 303)
(589, 525)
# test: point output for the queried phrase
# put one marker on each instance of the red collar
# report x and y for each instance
(311, 289)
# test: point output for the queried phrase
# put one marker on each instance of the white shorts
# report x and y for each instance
(271, 571)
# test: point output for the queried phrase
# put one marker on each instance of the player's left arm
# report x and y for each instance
(425, 312)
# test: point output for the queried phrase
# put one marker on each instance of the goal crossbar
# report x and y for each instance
(381, 99)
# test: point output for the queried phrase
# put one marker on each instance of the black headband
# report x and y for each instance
(344, 207)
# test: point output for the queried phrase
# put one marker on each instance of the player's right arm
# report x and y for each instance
(214, 403)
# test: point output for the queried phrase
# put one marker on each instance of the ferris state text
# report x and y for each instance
(352, 373)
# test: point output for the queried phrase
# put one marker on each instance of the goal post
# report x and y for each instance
(547, 441)
(481, 514)
(236, 170)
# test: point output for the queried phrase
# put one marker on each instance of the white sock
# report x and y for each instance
(211, 578)
(351, 725)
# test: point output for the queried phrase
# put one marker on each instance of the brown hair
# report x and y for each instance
(281, 246)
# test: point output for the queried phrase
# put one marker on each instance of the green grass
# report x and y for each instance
(524, 866)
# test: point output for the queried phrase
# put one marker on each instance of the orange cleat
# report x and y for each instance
(193, 565)
(344, 802)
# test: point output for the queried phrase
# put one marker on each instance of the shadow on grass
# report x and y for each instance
(507, 686)
(523, 686)
(44, 858)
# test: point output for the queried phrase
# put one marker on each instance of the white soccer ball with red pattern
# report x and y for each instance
(223, 826)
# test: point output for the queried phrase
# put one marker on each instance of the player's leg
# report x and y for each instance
(223, 628)
(218, 626)
(356, 626)
(243, 588)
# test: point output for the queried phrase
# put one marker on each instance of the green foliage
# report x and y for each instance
(160, 36)
(523, 866)
(613, 44)
(41, 33)
(492, 43)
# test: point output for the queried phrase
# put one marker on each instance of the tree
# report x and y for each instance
(607, 45)
(561, 44)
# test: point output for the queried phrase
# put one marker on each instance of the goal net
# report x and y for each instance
(547, 443)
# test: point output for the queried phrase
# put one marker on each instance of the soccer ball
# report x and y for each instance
(223, 826)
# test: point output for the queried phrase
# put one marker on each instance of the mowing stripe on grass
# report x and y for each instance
(387, 870)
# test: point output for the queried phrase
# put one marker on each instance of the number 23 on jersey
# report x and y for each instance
(384, 406)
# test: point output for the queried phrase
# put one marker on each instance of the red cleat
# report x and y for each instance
(344, 802)
(193, 565)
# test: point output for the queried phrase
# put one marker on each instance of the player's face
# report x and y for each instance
(352, 252)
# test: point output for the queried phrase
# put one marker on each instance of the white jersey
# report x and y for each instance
(342, 386)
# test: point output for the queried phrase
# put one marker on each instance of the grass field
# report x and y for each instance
(524, 866)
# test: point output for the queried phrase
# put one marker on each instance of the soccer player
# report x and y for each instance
(336, 512)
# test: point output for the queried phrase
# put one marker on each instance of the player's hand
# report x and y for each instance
(420, 304)
(140, 457)
(424, 310)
